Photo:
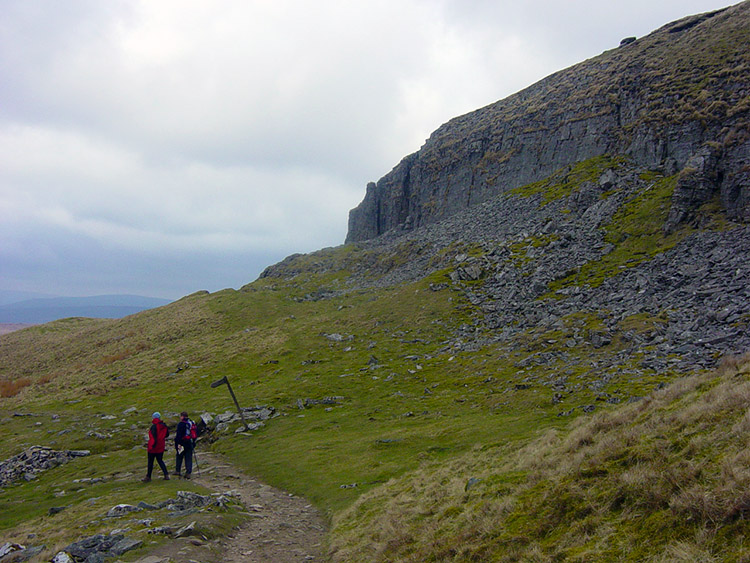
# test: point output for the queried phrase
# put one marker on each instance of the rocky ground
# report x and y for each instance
(530, 266)
(519, 246)
(282, 528)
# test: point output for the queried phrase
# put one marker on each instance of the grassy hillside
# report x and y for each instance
(411, 422)
(662, 479)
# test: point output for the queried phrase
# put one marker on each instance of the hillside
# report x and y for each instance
(554, 370)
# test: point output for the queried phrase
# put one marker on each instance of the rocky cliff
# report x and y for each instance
(677, 100)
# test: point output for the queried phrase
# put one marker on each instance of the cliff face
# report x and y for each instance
(677, 100)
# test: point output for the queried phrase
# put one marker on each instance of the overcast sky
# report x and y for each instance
(161, 147)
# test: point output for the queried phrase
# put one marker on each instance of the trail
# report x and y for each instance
(282, 528)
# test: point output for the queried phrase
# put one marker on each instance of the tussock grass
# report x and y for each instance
(663, 479)
(13, 387)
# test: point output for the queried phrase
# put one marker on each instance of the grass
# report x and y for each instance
(391, 461)
(86, 488)
(643, 482)
(636, 233)
(13, 387)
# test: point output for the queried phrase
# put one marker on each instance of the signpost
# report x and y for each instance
(225, 381)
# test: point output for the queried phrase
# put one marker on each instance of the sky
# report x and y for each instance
(161, 147)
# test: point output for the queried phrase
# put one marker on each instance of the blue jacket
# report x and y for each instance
(182, 435)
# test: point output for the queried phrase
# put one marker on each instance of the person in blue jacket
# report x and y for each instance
(184, 442)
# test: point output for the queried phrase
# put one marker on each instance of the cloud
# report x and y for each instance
(140, 138)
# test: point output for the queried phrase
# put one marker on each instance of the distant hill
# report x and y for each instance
(8, 296)
(44, 310)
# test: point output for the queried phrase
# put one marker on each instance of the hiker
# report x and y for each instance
(184, 442)
(157, 442)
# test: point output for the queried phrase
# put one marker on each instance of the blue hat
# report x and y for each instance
(156, 415)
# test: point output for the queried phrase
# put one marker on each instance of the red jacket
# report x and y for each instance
(157, 437)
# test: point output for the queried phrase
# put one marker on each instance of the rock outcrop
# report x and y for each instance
(32, 461)
(677, 100)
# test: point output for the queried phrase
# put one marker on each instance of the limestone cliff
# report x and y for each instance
(677, 100)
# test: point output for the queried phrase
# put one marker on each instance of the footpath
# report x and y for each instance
(282, 528)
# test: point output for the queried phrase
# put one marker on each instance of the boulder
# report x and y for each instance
(121, 510)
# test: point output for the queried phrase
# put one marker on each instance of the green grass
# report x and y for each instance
(407, 421)
(636, 233)
(420, 402)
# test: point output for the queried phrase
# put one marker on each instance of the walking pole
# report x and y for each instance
(195, 459)
(225, 381)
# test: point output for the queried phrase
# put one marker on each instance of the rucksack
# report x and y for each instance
(192, 430)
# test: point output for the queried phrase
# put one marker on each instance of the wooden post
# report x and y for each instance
(225, 381)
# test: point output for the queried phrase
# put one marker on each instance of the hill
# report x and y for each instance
(554, 371)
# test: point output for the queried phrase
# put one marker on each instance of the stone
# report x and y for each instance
(125, 545)
(22, 554)
(10, 547)
(569, 117)
(121, 510)
(471, 483)
(167, 530)
(335, 337)
(93, 548)
(251, 426)
(185, 531)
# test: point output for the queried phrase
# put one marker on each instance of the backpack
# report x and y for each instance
(191, 431)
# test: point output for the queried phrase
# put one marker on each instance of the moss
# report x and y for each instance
(644, 322)
(636, 234)
(570, 179)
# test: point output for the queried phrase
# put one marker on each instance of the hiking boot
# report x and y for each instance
(166, 477)
(187, 475)
(146, 479)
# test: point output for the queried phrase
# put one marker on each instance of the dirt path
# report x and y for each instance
(282, 528)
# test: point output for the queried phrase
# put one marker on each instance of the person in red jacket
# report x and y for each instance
(157, 441)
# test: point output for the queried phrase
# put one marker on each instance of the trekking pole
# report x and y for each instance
(195, 459)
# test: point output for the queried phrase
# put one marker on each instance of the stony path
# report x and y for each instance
(282, 528)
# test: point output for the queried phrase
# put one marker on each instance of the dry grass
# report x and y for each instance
(11, 388)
